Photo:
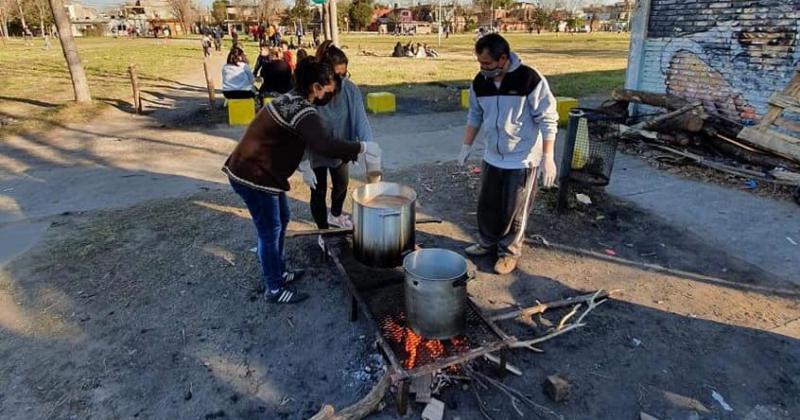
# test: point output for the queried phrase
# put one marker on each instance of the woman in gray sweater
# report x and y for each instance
(345, 118)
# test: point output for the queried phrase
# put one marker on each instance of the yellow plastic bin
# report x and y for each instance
(565, 105)
(241, 111)
(464, 98)
(381, 102)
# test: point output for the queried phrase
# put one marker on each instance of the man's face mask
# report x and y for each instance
(494, 71)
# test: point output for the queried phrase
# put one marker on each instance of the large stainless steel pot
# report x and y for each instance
(436, 293)
(383, 232)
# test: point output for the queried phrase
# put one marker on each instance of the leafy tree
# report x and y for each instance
(542, 18)
(219, 11)
(361, 14)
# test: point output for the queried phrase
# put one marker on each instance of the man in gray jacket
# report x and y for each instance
(513, 111)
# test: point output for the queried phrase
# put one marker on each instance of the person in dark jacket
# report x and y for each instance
(270, 150)
(514, 112)
(276, 75)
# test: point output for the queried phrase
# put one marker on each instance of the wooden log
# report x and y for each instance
(688, 118)
(660, 100)
(542, 307)
(360, 409)
(209, 83)
(748, 154)
(780, 144)
(137, 98)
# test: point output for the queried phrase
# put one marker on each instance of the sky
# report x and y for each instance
(105, 3)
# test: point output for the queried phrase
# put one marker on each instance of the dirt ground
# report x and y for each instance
(152, 311)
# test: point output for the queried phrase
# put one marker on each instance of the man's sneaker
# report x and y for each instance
(341, 221)
(505, 265)
(477, 250)
(285, 295)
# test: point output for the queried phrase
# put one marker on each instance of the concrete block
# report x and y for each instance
(556, 388)
(241, 111)
(434, 410)
(565, 105)
(381, 102)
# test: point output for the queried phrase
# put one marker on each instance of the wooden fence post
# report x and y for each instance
(137, 98)
(209, 83)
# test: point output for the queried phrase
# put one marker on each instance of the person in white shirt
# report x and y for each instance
(237, 79)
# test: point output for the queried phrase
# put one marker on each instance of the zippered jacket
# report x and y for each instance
(514, 118)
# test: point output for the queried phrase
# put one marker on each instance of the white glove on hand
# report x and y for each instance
(464, 155)
(549, 171)
(308, 174)
(370, 148)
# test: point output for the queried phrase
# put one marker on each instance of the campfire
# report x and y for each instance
(418, 350)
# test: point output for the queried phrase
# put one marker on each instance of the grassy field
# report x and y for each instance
(35, 81)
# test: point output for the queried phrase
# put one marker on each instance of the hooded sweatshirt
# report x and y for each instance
(513, 118)
(345, 118)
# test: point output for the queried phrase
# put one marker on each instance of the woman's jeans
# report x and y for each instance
(340, 178)
(270, 214)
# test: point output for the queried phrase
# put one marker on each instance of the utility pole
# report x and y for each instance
(334, 19)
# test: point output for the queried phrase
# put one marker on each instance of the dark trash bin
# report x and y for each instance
(589, 151)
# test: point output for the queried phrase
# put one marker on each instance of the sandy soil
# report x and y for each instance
(152, 311)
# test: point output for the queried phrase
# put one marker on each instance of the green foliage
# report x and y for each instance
(361, 14)
(218, 11)
(299, 11)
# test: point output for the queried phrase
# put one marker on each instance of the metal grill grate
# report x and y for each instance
(387, 306)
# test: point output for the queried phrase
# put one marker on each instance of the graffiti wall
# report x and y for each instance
(731, 55)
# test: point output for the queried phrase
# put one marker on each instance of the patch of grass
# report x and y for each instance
(35, 81)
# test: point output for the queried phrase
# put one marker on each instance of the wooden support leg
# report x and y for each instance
(402, 396)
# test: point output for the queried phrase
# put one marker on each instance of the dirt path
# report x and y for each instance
(152, 312)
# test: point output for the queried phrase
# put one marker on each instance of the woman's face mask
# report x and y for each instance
(326, 97)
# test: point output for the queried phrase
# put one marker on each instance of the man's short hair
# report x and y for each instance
(494, 44)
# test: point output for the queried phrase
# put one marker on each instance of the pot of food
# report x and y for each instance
(384, 215)
(436, 293)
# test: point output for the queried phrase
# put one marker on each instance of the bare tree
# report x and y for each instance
(266, 8)
(21, 15)
(79, 83)
(4, 5)
(185, 11)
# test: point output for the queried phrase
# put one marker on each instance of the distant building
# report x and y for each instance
(85, 20)
(151, 17)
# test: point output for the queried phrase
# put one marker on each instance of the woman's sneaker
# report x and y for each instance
(341, 221)
(285, 295)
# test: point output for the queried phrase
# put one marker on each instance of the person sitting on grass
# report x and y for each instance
(270, 151)
(237, 79)
(398, 50)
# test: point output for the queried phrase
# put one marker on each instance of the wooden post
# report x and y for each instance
(209, 83)
(137, 98)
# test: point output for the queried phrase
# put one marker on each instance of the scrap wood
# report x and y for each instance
(591, 305)
(360, 409)
(515, 395)
(542, 307)
(660, 100)
(741, 172)
(509, 367)
(687, 118)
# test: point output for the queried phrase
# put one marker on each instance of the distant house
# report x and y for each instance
(151, 17)
(85, 21)
(610, 17)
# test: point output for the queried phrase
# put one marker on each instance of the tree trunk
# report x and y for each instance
(79, 83)
(334, 22)
(21, 15)
(3, 25)
(326, 26)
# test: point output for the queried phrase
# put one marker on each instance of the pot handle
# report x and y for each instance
(463, 282)
(389, 213)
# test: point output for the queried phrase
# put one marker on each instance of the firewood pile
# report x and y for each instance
(768, 152)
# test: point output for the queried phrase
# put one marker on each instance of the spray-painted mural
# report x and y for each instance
(731, 55)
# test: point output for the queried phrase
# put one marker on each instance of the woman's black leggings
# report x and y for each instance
(340, 178)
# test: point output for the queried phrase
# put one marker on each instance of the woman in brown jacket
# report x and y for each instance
(270, 151)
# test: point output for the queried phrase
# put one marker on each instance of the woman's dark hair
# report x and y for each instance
(494, 44)
(236, 56)
(330, 53)
(301, 54)
(310, 71)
